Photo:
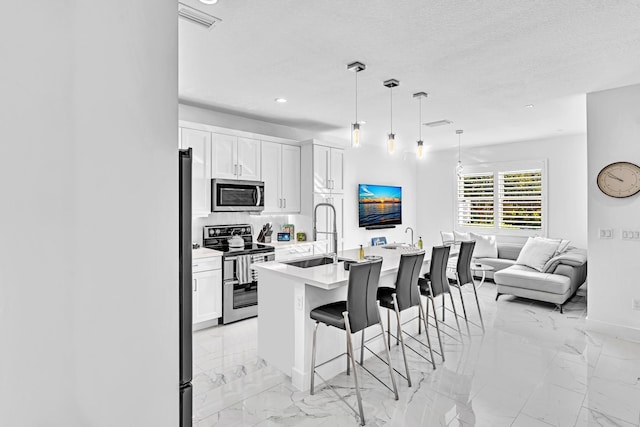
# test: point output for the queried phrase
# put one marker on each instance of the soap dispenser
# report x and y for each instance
(361, 252)
(420, 242)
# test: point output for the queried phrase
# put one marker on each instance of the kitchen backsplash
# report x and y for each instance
(257, 221)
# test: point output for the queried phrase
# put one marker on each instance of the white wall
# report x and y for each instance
(566, 174)
(372, 165)
(88, 253)
(613, 127)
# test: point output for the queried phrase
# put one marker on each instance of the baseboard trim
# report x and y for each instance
(618, 331)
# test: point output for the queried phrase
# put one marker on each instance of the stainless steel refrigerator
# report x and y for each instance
(186, 339)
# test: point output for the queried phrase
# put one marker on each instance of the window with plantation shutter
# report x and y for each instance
(475, 200)
(520, 199)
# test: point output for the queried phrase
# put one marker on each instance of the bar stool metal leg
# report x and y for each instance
(455, 314)
(389, 328)
(393, 378)
(362, 348)
(348, 361)
(313, 356)
(433, 304)
(426, 332)
(401, 338)
(353, 362)
(475, 292)
(464, 310)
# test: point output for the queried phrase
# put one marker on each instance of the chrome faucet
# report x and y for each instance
(334, 232)
(405, 231)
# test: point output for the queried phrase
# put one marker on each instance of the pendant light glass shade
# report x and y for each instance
(459, 167)
(420, 152)
(355, 126)
(420, 149)
(391, 142)
(355, 135)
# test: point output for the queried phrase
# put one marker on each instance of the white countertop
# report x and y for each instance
(204, 253)
(331, 276)
(281, 245)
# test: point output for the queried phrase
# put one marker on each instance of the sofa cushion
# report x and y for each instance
(461, 237)
(563, 246)
(573, 256)
(509, 250)
(447, 238)
(486, 246)
(537, 251)
(497, 263)
(520, 276)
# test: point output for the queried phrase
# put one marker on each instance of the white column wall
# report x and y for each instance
(613, 128)
(88, 261)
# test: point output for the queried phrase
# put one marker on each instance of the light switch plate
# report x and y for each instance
(635, 304)
(605, 233)
(630, 235)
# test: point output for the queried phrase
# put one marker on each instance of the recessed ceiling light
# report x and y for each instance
(528, 106)
(209, 1)
(280, 100)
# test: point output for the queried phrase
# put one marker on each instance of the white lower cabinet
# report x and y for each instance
(207, 289)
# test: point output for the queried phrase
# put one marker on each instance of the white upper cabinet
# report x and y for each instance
(328, 169)
(248, 159)
(321, 171)
(200, 143)
(337, 170)
(234, 157)
(281, 176)
(290, 178)
(224, 156)
(271, 175)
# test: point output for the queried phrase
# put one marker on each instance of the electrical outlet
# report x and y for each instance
(635, 304)
(605, 233)
(299, 303)
(630, 235)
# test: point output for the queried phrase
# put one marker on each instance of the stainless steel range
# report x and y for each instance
(239, 282)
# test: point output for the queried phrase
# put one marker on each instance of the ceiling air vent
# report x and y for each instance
(196, 16)
(438, 123)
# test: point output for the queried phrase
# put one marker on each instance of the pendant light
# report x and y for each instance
(459, 166)
(420, 151)
(355, 126)
(391, 143)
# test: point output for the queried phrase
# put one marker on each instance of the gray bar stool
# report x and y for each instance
(404, 296)
(438, 284)
(358, 312)
(464, 276)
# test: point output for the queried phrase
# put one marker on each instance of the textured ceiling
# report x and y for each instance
(481, 62)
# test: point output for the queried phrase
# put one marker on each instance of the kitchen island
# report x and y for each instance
(286, 296)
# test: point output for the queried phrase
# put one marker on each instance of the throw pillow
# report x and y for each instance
(486, 246)
(461, 237)
(563, 246)
(537, 251)
(447, 238)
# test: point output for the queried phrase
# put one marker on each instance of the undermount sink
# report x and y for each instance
(310, 262)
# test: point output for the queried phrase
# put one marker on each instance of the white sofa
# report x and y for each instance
(558, 281)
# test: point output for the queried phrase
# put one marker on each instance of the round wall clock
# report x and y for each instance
(620, 179)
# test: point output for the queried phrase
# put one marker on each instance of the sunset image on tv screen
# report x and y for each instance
(379, 205)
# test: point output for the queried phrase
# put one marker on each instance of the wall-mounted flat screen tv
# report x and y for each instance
(379, 205)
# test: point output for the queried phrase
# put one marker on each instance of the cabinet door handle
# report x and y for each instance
(195, 289)
(240, 170)
(235, 169)
(284, 203)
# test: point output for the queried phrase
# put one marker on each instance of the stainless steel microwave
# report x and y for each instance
(230, 195)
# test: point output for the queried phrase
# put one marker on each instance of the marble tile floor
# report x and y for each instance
(532, 367)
